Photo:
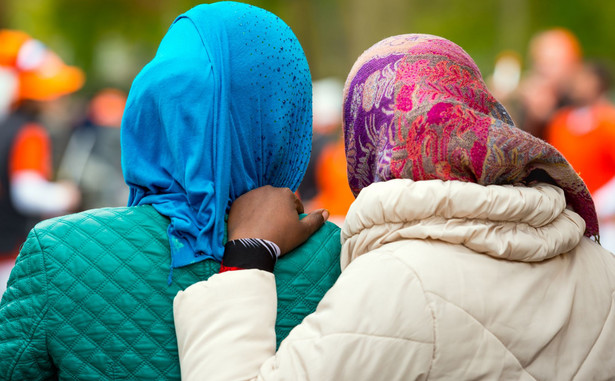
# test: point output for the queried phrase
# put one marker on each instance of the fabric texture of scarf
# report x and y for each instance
(224, 107)
(416, 107)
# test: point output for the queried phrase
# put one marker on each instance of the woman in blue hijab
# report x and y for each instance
(224, 107)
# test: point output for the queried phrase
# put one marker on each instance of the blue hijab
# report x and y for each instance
(223, 108)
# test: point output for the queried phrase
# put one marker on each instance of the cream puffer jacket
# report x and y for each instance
(441, 280)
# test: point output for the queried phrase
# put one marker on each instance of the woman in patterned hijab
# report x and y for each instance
(465, 255)
(416, 107)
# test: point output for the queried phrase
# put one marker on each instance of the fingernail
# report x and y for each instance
(325, 214)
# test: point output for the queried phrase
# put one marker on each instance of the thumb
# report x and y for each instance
(313, 221)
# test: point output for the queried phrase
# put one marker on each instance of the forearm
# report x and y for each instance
(225, 326)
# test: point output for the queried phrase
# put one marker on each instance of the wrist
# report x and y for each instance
(249, 253)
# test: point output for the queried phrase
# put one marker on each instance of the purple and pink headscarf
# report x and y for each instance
(416, 107)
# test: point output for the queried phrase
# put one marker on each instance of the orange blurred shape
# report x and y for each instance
(559, 38)
(107, 108)
(555, 54)
(334, 192)
(42, 75)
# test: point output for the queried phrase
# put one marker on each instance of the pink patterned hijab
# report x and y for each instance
(416, 107)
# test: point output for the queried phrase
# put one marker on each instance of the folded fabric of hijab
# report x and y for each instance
(416, 107)
(224, 107)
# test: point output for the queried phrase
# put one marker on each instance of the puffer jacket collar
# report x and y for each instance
(511, 222)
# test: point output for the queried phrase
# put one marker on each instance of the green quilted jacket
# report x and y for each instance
(88, 298)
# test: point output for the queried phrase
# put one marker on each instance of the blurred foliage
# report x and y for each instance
(112, 39)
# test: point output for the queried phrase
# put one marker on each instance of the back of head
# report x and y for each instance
(555, 54)
(107, 107)
(416, 107)
(224, 107)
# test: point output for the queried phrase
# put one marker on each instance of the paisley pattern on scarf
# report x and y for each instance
(416, 107)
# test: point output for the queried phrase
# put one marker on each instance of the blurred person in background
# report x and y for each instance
(222, 108)
(326, 129)
(92, 158)
(33, 80)
(467, 254)
(331, 180)
(555, 55)
(504, 80)
(584, 133)
(325, 182)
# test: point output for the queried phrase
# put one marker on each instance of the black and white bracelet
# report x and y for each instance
(250, 253)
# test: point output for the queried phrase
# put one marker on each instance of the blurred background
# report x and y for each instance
(548, 61)
(112, 39)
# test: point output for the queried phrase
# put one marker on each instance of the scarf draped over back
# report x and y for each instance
(224, 107)
(416, 107)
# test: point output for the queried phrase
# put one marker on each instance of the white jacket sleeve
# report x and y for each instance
(374, 324)
(225, 326)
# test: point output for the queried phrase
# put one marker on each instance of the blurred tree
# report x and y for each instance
(590, 20)
(4, 11)
(366, 22)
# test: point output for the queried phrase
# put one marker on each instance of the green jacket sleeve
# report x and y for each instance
(23, 309)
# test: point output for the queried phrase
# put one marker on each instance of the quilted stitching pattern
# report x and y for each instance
(88, 298)
(22, 334)
(300, 292)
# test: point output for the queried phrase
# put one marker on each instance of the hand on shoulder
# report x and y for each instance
(273, 214)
